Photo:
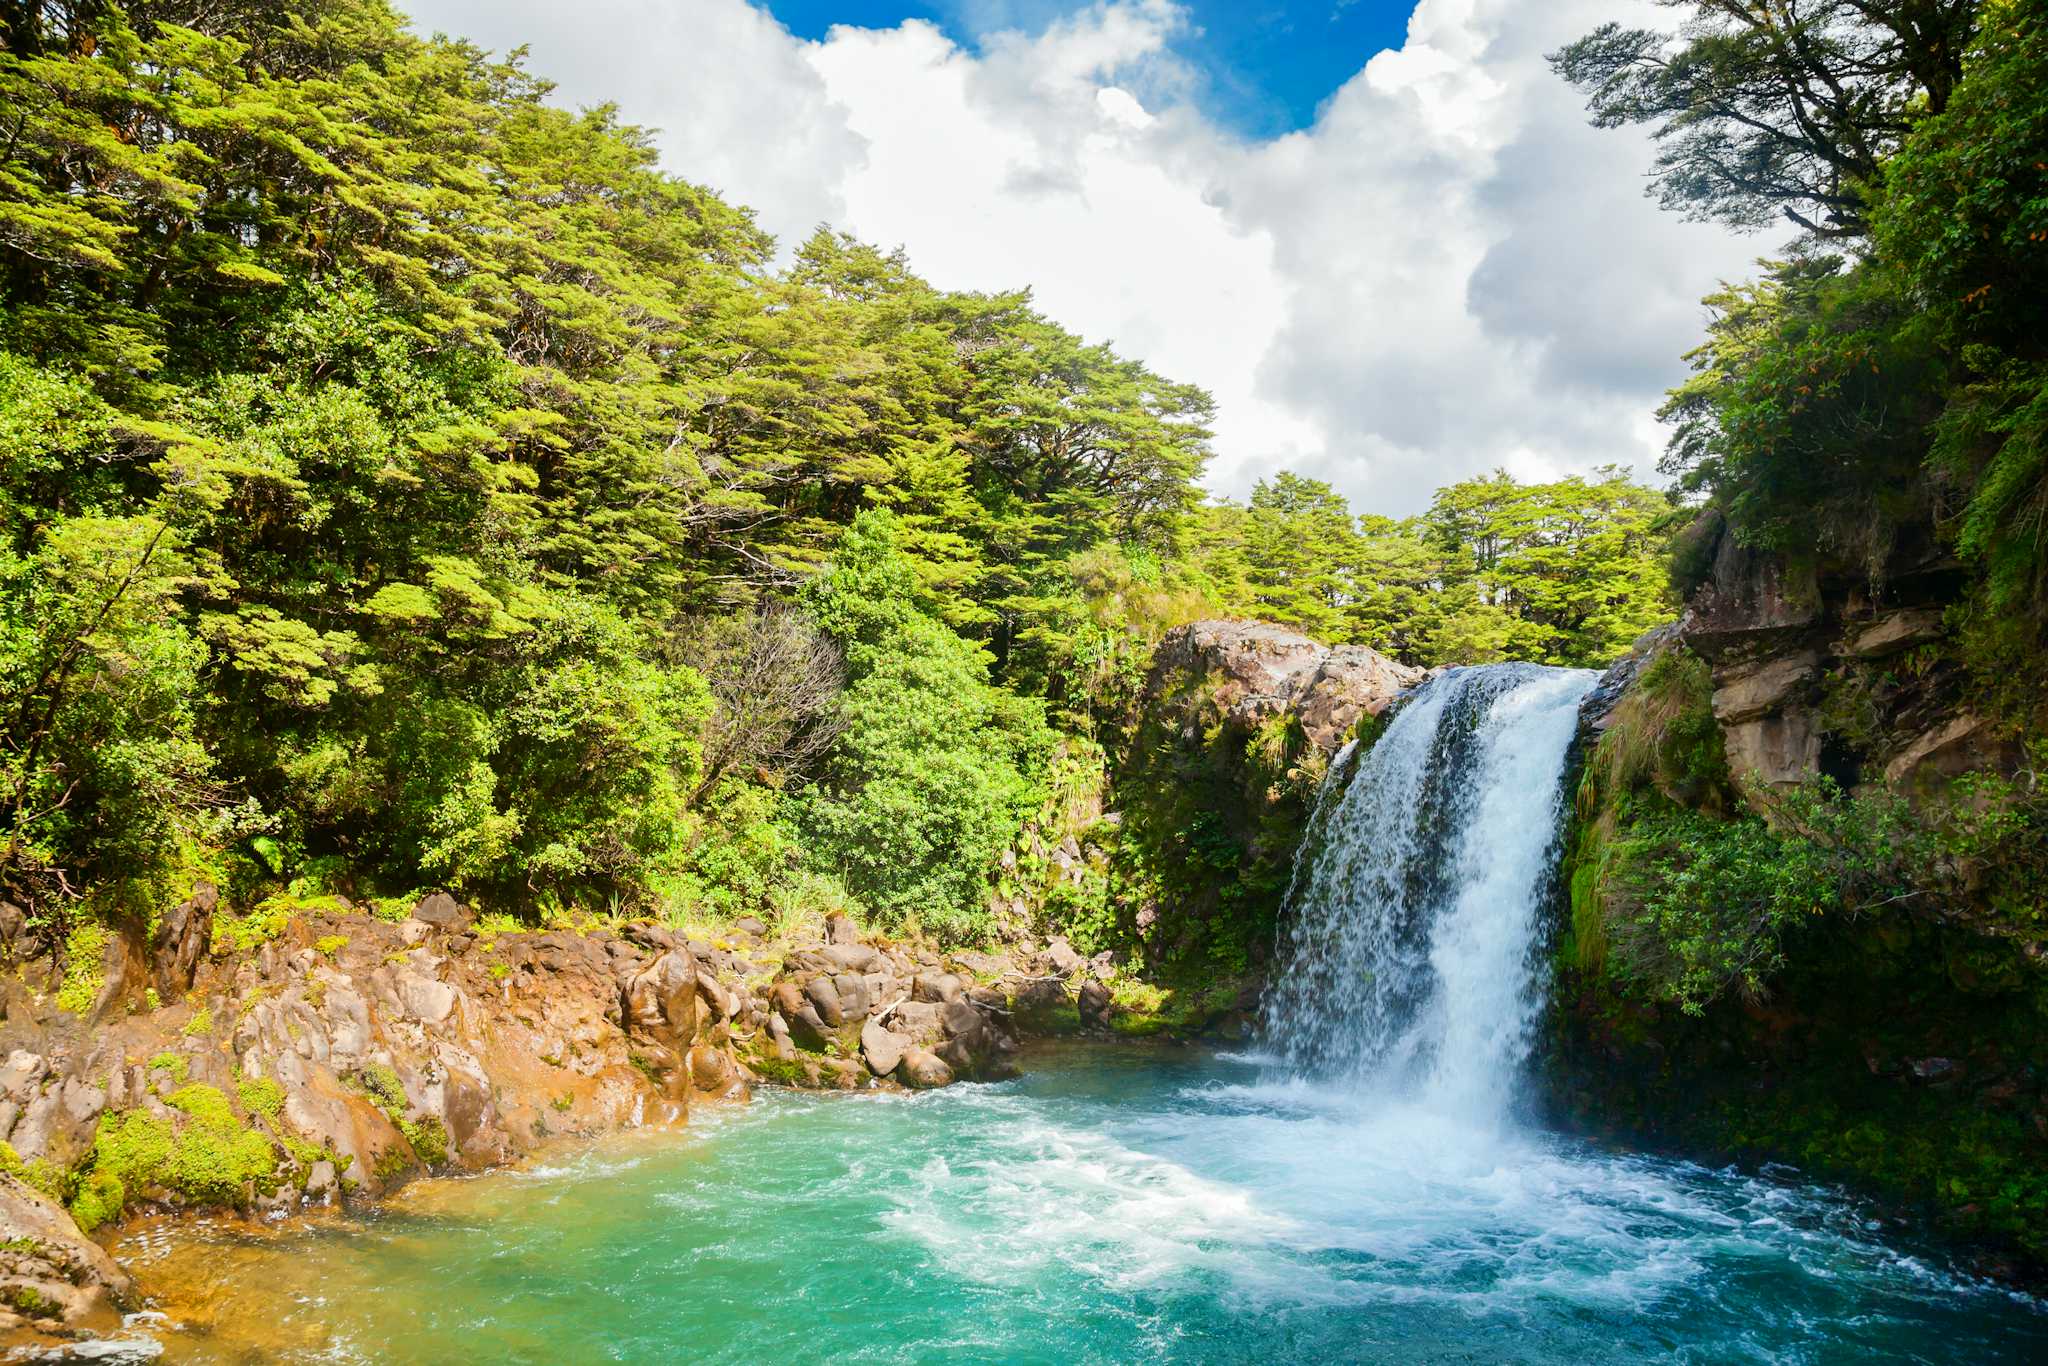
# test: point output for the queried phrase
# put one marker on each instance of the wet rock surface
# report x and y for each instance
(52, 1277)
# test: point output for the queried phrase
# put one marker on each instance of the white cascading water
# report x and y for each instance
(1410, 956)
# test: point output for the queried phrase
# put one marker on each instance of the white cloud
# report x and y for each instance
(1450, 271)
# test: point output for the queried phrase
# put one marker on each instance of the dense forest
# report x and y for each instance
(405, 484)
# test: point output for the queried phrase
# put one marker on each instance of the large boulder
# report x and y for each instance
(823, 994)
(1253, 670)
(182, 940)
(51, 1275)
(442, 911)
(882, 1048)
(1352, 681)
(661, 1012)
(922, 1071)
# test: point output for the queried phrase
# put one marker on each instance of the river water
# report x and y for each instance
(1364, 1189)
(1114, 1205)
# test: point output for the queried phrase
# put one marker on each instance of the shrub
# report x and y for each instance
(1692, 906)
(927, 782)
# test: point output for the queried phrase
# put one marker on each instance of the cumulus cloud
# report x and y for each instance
(1448, 272)
(735, 99)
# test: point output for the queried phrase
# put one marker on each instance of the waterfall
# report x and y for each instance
(1410, 957)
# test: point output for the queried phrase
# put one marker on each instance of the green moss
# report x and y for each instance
(10, 1162)
(261, 1096)
(207, 1158)
(200, 1024)
(428, 1137)
(778, 1071)
(85, 951)
(101, 1198)
(206, 1104)
(382, 1082)
(303, 1154)
(212, 1166)
(172, 1063)
(330, 944)
(1144, 1010)
(265, 921)
(49, 1178)
(492, 924)
(393, 909)
(130, 1150)
(30, 1303)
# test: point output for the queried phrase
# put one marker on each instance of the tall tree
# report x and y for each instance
(1775, 108)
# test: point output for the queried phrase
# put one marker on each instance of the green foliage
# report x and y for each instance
(1809, 410)
(931, 776)
(101, 770)
(746, 853)
(1691, 905)
(1775, 107)
(173, 1065)
(258, 925)
(204, 1158)
(1663, 736)
(1965, 217)
(377, 491)
(1847, 409)
(1697, 905)
(85, 971)
(200, 1025)
(1569, 572)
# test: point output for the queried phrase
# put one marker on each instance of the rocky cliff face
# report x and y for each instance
(1239, 721)
(1245, 674)
(1899, 1047)
(1817, 671)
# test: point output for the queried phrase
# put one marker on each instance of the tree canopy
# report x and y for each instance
(1770, 109)
(405, 482)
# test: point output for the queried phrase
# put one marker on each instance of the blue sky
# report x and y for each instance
(1265, 65)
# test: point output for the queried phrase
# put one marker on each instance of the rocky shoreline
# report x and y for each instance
(345, 1054)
